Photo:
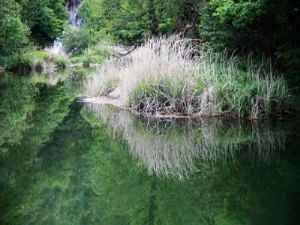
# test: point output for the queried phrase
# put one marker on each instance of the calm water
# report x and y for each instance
(64, 163)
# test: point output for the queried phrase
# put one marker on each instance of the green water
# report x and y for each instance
(63, 162)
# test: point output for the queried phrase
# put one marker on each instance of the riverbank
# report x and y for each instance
(40, 61)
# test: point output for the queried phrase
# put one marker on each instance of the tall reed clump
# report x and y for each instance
(176, 76)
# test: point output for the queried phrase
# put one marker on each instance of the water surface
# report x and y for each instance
(63, 162)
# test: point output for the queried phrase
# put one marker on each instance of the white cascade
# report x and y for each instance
(72, 6)
(74, 20)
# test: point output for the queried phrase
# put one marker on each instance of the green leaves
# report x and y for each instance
(75, 39)
(131, 21)
(46, 18)
(13, 35)
(9, 7)
(240, 13)
(24, 21)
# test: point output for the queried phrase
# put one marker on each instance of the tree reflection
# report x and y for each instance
(67, 169)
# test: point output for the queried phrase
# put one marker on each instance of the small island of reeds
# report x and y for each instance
(178, 77)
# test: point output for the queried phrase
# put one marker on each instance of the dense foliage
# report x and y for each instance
(130, 21)
(13, 33)
(75, 39)
(45, 19)
(263, 27)
(27, 22)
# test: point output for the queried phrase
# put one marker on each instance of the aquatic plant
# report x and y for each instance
(177, 76)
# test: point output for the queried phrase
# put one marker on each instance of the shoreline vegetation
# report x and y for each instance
(40, 61)
(44, 62)
(167, 75)
(177, 77)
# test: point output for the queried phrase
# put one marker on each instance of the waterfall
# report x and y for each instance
(74, 20)
(57, 48)
(72, 6)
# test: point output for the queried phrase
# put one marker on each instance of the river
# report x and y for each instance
(65, 162)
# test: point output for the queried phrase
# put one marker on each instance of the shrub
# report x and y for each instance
(36, 60)
(75, 39)
(13, 35)
(13, 39)
(44, 58)
(60, 61)
(92, 55)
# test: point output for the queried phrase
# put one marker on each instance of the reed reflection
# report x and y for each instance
(180, 147)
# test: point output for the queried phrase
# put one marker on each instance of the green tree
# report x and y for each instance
(13, 32)
(45, 18)
(131, 21)
(23, 21)
(13, 35)
(261, 25)
(9, 7)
